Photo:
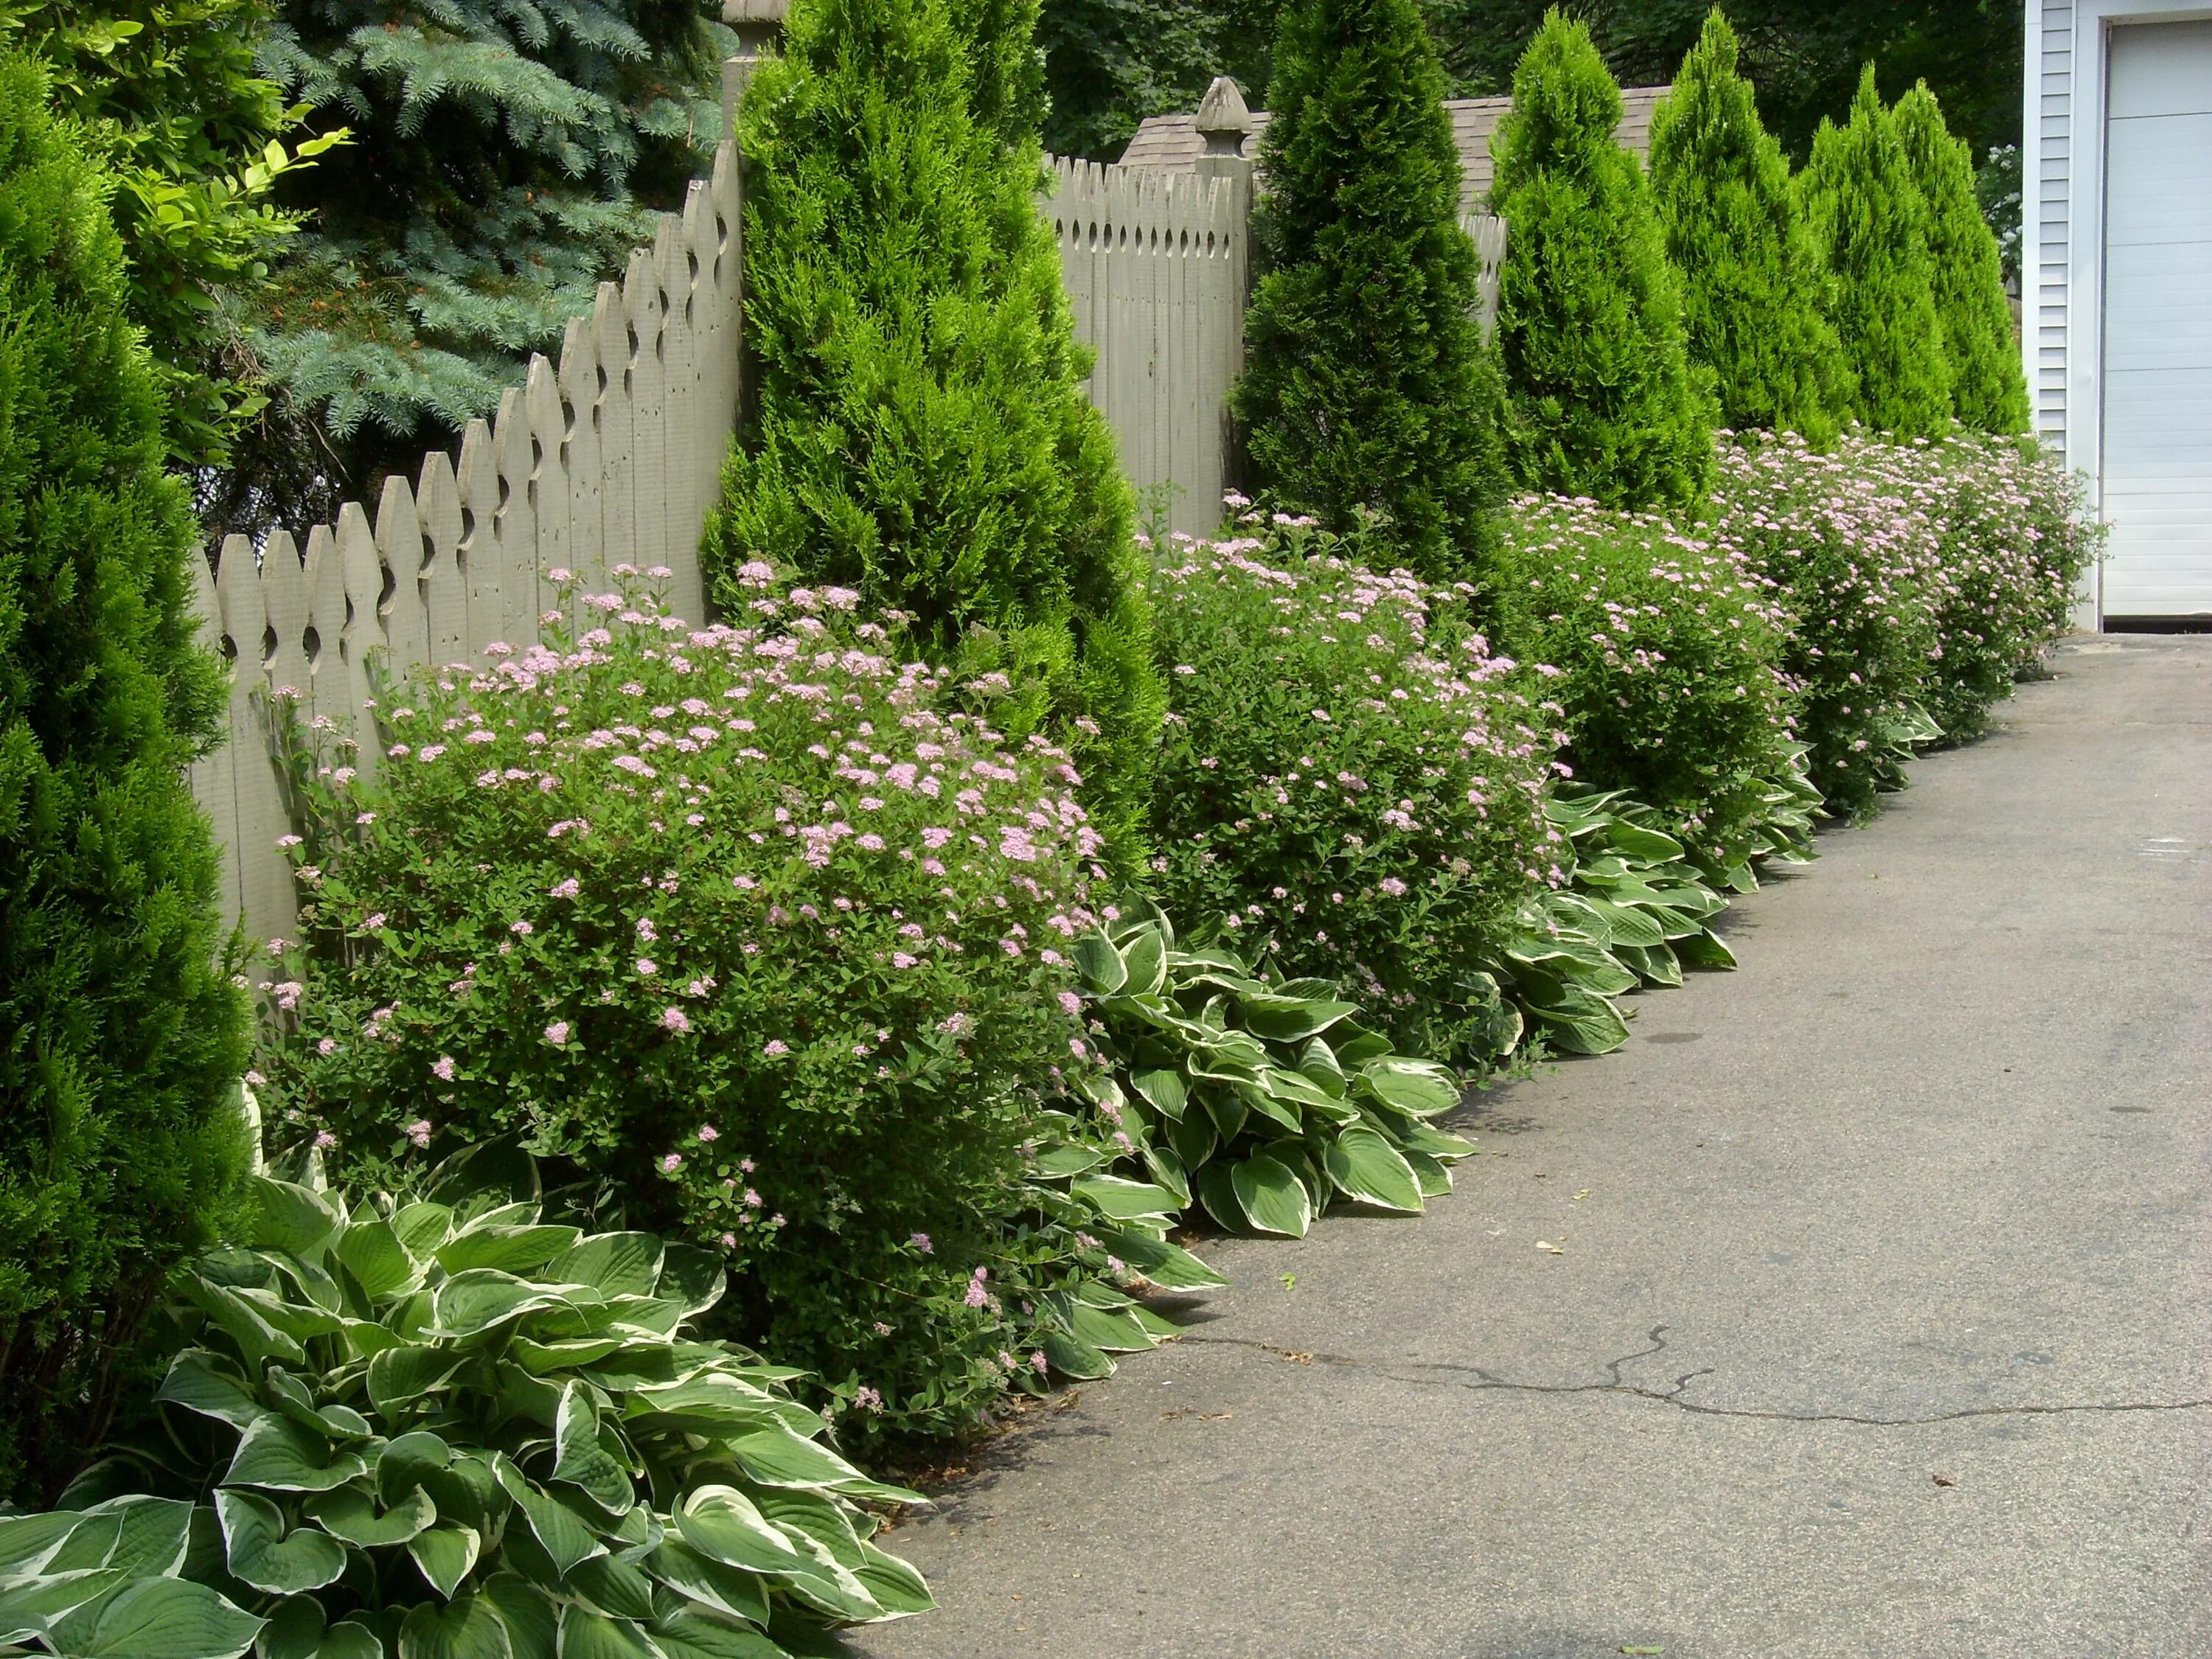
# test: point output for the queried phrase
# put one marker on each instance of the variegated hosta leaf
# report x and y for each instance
(443, 1425)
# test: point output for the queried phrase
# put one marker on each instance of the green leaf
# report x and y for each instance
(1145, 959)
(614, 1264)
(897, 1588)
(372, 1254)
(1640, 843)
(260, 1553)
(422, 1228)
(512, 1250)
(258, 1339)
(348, 1640)
(614, 1586)
(1108, 1331)
(689, 1572)
(158, 1619)
(723, 1524)
(1065, 1160)
(1271, 1199)
(1436, 1180)
(1280, 1018)
(1581, 1023)
(474, 1301)
(332, 1420)
(690, 1636)
(1368, 1168)
(445, 1553)
(281, 1215)
(280, 1455)
(696, 1277)
(1103, 970)
(408, 1462)
(295, 1630)
(588, 1635)
(581, 1460)
(1168, 1265)
(531, 1619)
(398, 1377)
(1072, 1357)
(26, 1541)
(1704, 949)
(1420, 1087)
(1627, 924)
(26, 1610)
(465, 1627)
(1121, 1200)
(777, 1457)
(1162, 1089)
(153, 1535)
(564, 1537)
(351, 1514)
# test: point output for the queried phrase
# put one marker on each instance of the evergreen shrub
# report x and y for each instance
(1351, 778)
(1988, 386)
(1665, 651)
(1871, 225)
(1601, 399)
(742, 921)
(1751, 275)
(121, 1037)
(920, 435)
(1367, 390)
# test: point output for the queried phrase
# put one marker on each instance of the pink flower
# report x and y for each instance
(867, 1400)
(1070, 1004)
(745, 1165)
(775, 1046)
(566, 890)
(257, 1079)
(671, 1163)
(327, 1048)
(419, 1132)
(442, 1068)
(1038, 1364)
(708, 1132)
(371, 922)
(647, 967)
(752, 1200)
(558, 1034)
(729, 1241)
(676, 1020)
(324, 1140)
(921, 1242)
(520, 929)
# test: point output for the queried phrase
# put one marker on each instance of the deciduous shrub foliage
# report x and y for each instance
(1368, 390)
(1989, 388)
(1665, 651)
(741, 919)
(1751, 274)
(1871, 225)
(1350, 772)
(121, 1038)
(1601, 397)
(921, 435)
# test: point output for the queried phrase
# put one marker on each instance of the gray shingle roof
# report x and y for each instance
(1171, 141)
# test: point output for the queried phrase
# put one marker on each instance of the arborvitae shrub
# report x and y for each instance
(1751, 275)
(1868, 220)
(1989, 388)
(1368, 390)
(121, 1038)
(1601, 397)
(921, 434)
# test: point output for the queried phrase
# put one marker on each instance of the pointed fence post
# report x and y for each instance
(756, 23)
(1225, 124)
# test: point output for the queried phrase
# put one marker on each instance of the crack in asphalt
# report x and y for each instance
(1477, 1379)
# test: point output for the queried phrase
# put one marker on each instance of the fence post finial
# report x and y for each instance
(1223, 122)
(756, 24)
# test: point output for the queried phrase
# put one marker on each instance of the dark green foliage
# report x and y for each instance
(1751, 276)
(1989, 388)
(505, 160)
(1870, 224)
(1367, 389)
(1601, 397)
(120, 1036)
(1108, 64)
(174, 109)
(922, 435)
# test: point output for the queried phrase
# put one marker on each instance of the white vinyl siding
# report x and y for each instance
(2156, 460)
(2045, 280)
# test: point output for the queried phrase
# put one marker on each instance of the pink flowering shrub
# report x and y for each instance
(739, 922)
(1350, 778)
(1665, 652)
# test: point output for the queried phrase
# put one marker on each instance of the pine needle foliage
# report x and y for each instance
(920, 432)
(1989, 387)
(120, 1035)
(1751, 275)
(1869, 223)
(1601, 399)
(505, 159)
(1368, 390)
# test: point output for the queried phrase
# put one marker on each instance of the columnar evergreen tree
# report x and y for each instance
(921, 433)
(505, 159)
(1751, 276)
(1868, 219)
(1367, 389)
(1989, 387)
(1601, 399)
(120, 1035)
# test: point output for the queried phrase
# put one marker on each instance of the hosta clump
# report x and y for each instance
(741, 920)
(1349, 773)
(445, 1424)
(1665, 653)
(1264, 1098)
(1848, 538)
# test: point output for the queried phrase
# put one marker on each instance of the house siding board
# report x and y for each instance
(2052, 144)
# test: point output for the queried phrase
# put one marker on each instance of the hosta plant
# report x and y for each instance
(1264, 1099)
(446, 1427)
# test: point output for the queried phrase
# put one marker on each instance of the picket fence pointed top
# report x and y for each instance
(1223, 120)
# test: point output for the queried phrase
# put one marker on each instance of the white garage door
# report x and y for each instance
(2158, 321)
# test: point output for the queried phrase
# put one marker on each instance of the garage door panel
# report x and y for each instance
(2156, 369)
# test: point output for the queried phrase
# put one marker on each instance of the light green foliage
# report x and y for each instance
(1989, 387)
(921, 433)
(1601, 399)
(1751, 275)
(504, 161)
(1870, 224)
(444, 1422)
(120, 1037)
(1665, 651)
(174, 107)
(700, 913)
(1366, 390)
(1265, 1098)
(1350, 772)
